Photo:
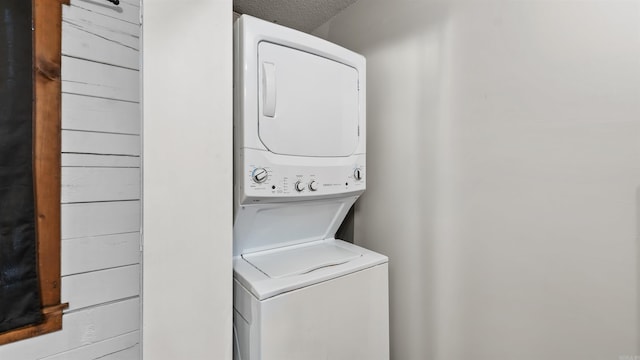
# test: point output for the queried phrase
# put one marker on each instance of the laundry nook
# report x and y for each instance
(319, 180)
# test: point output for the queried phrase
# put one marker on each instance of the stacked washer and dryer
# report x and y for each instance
(299, 163)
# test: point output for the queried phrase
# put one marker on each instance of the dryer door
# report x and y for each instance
(308, 105)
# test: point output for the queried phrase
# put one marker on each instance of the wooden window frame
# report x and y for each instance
(47, 52)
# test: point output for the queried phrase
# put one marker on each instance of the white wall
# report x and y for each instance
(100, 188)
(503, 174)
(187, 136)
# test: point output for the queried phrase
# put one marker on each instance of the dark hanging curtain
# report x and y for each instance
(19, 288)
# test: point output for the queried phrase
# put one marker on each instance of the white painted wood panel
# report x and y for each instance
(86, 40)
(125, 33)
(132, 353)
(128, 10)
(100, 184)
(99, 287)
(86, 142)
(100, 252)
(91, 160)
(80, 328)
(103, 218)
(101, 168)
(101, 163)
(102, 80)
(101, 350)
(102, 115)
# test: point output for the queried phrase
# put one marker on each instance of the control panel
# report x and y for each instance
(293, 178)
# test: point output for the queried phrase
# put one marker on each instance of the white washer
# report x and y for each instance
(299, 163)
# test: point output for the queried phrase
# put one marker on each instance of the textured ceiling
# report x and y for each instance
(304, 15)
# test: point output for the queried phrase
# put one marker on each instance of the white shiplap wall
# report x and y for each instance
(100, 187)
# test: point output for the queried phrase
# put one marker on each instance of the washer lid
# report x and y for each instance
(301, 259)
(321, 255)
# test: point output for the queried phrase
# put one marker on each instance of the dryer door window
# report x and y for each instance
(308, 105)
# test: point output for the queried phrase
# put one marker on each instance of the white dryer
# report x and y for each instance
(299, 163)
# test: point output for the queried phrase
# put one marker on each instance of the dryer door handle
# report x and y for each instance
(269, 89)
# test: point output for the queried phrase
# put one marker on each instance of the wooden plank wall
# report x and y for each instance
(100, 187)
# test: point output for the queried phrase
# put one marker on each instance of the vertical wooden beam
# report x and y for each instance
(47, 145)
(47, 40)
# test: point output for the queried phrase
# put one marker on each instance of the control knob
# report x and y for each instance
(259, 175)
(313, 185)
(300, 186)
(357, 174)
